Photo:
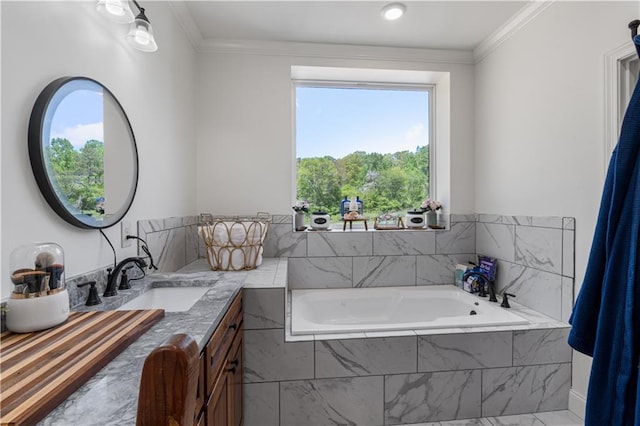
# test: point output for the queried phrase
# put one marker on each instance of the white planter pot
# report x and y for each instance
(298, 220)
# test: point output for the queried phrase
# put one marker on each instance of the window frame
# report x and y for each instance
(430, 88)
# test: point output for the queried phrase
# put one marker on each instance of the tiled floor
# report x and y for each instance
(551, 418)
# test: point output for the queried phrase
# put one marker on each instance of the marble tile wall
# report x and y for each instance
(367, 259)
(536, 256)
(174, 242)
(396, 380)
(535, 259)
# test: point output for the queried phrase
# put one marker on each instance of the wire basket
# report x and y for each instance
(234, 243)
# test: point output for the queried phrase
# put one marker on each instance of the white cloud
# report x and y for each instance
(81, 133)
(416, 133)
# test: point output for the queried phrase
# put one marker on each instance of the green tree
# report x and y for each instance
(317, 182)
(92, 162)
(62, 155)
(91, 174)
(63, 160)
(352, 168)
(385, 182)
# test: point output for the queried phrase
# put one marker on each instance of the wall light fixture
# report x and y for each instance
(140, 33)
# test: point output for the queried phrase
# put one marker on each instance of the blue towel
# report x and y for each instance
(606, 317)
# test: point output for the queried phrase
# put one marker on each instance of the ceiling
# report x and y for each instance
(458, 25)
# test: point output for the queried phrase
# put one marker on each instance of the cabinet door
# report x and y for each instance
(200, 392)
(234, 380)
(217, 411)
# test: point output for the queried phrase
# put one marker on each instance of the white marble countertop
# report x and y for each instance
(111, 396)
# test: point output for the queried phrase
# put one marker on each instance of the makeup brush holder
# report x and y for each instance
(40, 299)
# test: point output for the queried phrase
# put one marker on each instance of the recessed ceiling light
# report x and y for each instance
(393, 11)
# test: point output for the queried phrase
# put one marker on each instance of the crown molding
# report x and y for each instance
(345, 51)
(509, 28)
(336, 51)
(184, 18)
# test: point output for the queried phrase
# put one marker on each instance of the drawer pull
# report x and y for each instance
(232, 370)
(233, 326)
(235, 362)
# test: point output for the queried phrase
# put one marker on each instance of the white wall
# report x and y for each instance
(245, 146)
(42, 41)
(540, 122)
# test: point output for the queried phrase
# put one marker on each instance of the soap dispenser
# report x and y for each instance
(40, 299)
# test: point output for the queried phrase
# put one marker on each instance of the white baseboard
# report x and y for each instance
(577, 403)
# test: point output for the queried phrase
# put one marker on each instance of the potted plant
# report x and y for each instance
(431, 208)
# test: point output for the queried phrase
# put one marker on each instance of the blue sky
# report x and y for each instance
(78, 117)
(336, 122)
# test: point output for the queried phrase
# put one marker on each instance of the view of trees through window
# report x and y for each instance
(79, 173)
(371, 143)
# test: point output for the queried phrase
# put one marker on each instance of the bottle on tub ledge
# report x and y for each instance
(354, 205)
(344, 206)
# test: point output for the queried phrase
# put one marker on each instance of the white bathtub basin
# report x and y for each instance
(171, 299)
(393, 308)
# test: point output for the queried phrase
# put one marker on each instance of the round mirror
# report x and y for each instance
(83, 152)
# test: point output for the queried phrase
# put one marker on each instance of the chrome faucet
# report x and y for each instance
(112, 277)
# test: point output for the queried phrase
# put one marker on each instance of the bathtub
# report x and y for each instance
(393, 308)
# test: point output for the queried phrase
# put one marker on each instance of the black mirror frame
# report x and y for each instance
(36, 154)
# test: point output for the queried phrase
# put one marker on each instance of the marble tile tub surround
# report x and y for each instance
(536, 256)
(535, 259)
(368, 379)
(547, 418)
(374, 258)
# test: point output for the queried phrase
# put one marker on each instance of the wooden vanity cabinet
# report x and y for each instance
(199, 415)
(220, 384)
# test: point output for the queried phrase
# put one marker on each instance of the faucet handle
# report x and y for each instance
(124, 280)
(93, 298)
(492, 291)
(505, 301)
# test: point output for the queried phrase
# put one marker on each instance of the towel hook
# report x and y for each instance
(633, 26)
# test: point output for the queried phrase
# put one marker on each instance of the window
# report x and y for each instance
(368, 140)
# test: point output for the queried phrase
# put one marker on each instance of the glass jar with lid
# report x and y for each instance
(39, 298)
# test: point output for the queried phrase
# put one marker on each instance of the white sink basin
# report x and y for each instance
(171, 299)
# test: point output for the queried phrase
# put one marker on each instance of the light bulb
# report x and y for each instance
(142, 36)
(393, 11)
(116, 10)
